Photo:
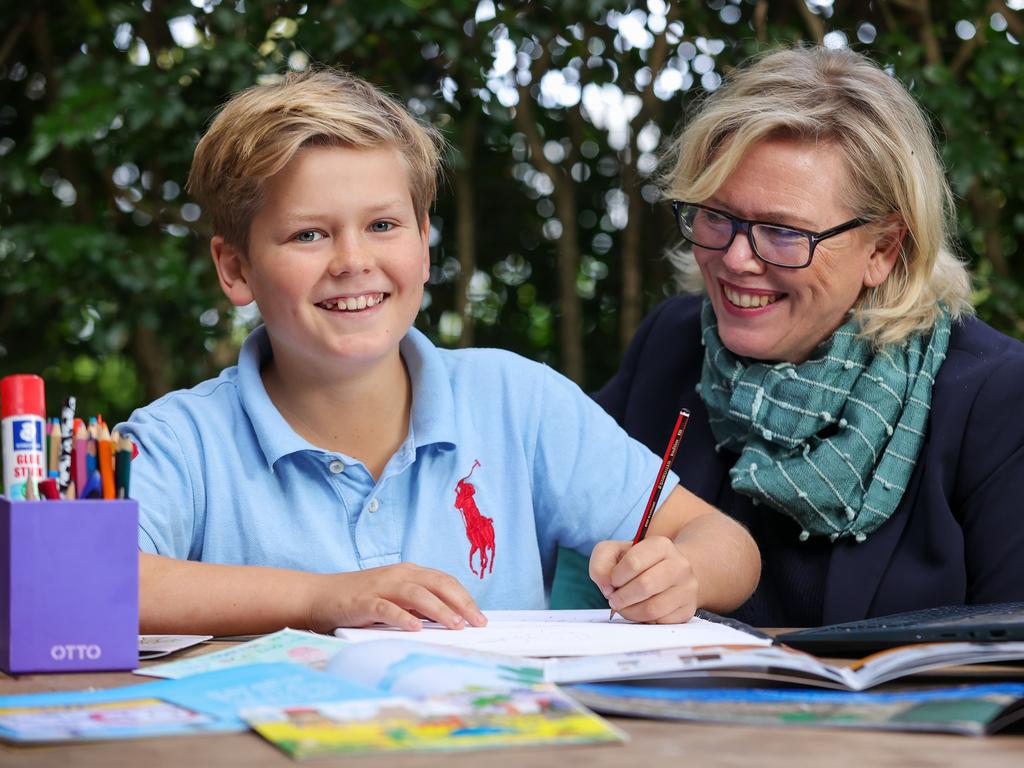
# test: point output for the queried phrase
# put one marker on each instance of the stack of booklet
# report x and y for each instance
(526, 679)
(730, 674)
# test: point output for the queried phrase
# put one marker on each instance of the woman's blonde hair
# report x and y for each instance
(259, 130)
(842, 98)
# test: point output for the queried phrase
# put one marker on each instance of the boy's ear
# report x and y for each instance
(425, 242)
(232, 270)
(887, 247)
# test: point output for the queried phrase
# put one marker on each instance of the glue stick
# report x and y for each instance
(22, 418)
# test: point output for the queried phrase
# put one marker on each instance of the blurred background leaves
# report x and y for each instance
(547, 235)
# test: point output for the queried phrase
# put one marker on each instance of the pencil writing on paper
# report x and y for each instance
(670, 455)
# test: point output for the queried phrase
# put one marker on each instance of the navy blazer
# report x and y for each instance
(958, 534)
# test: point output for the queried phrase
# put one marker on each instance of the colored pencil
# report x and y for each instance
(48, 489)
(105, 459)
(79, 453)
(90, 454)
(93, 487)
(123, 466)
(53, 447)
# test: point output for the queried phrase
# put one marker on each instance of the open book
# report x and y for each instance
(583, 646)
(779, 663)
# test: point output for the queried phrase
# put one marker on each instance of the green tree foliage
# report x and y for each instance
(547, 235)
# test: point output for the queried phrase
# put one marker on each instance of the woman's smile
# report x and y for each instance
(748, 301)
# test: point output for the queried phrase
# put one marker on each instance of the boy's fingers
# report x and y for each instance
(457, 598)
(383, 611)
(603, 560)
(419, 599)
(640, 557)
(647, 583)
(673, 605)
(680, 615)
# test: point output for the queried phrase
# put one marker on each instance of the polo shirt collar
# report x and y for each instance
(433, 404)
(274, 435)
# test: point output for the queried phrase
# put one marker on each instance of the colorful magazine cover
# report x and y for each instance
(539, 715)
(964, 709)
(206, 703)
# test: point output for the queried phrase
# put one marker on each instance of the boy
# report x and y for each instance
(299, 487)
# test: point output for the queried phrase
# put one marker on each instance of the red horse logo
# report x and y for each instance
(479, 529)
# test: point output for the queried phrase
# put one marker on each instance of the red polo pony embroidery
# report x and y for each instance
(479, 529)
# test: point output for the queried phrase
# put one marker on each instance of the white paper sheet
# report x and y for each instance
(565, 633)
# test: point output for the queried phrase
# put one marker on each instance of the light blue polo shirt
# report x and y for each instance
(505, 459)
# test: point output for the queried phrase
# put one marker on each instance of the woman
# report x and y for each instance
(847, 408)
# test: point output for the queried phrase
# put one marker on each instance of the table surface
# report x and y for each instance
(652, 743)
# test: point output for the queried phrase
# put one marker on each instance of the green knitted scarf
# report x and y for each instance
(830, 442)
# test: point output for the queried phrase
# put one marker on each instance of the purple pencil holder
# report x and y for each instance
(69, 585)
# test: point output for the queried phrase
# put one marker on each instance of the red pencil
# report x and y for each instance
(666, 463)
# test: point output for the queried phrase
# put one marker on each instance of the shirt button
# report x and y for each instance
(336, 467)
(373, 506)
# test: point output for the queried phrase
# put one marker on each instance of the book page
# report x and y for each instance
(407, 668)
(766, 662)
(909, 659)
(287, 645)
(565, 633)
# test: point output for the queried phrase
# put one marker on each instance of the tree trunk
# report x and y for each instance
(631, 308)
(151, 358)
(570, 327)
(465, 224)
(631, 259)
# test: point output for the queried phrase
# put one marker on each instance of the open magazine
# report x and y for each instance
(779, 663)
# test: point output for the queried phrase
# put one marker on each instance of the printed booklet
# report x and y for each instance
(972, 710)
(779, 663)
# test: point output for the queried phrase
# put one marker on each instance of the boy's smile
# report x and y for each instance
(336, 261)
(352, 303)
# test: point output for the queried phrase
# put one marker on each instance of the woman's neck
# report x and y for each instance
(364, 415)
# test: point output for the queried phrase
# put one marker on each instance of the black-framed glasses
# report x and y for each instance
(788, 247)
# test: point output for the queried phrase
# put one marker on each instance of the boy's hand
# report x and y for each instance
(397, 595)
(651, 581)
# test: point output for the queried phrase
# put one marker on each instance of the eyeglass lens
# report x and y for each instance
(779, 245)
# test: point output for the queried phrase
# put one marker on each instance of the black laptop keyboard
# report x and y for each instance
(950, 614)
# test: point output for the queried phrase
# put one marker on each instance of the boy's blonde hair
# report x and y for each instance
(259, 130)
(841, 98)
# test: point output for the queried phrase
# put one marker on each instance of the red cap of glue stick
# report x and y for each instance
(20, 394)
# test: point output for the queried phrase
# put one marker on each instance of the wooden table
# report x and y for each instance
(653, 743)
